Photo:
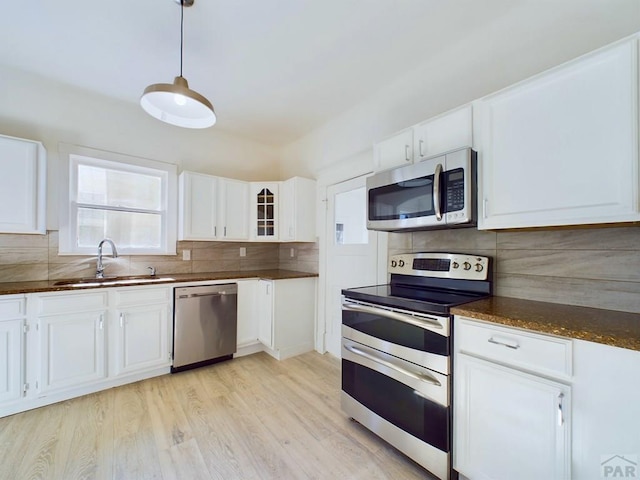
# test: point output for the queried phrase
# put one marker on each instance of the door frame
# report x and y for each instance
(325, 235)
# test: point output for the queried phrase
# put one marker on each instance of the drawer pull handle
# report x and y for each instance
(514, 346)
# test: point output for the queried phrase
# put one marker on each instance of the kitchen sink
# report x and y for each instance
(93, 282)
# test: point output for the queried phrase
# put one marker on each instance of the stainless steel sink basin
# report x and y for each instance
(94, 282)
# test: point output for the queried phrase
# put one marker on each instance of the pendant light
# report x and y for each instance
(176, 103)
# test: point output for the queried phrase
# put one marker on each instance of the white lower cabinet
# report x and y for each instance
(142, 329)
(72, 350)
(11, 360)
(286, 312)
(247, 333)
(509, 422)
(606, 412)
(71, 331)
(12, 349)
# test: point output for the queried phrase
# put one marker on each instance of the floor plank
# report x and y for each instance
(252, 418)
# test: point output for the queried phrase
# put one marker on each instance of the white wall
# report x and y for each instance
(494, 57)
(36, 108)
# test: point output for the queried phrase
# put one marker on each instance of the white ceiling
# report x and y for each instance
(274, 69)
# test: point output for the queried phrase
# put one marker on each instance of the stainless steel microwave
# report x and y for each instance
(439, 192)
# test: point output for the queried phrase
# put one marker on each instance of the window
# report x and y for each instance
(129, 200)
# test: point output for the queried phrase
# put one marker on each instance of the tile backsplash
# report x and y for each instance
(592, 267)
(35, 257)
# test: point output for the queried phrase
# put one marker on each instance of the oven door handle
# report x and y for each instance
(375, 358)
(418, 322)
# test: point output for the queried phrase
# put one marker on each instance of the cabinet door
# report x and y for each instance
(198, 203)
(394, 151)
(142, 338)
(11, 360)
(562, 148)
(248, 312)
(265, 198)
(22, 186)
(297, 221)
(72, 349)
(449, 131)
(265, 312)
(234, 209)
(509, 424)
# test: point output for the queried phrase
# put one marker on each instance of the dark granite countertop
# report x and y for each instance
(618, 329)
(8, 288)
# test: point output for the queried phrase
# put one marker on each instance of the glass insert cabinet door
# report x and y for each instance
(266, 207)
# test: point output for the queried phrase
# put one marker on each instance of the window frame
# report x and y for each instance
(72, 156)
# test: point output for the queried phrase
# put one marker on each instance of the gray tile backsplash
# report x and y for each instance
(592, 267)
(35, 257)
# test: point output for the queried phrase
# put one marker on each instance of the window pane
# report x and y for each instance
(126, 229)
(102, 186)
(351, 217)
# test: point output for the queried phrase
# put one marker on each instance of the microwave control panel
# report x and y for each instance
(454, 181)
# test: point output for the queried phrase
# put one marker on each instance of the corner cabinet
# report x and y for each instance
(23, 179)
(264, 215)
(212, 208)
(562, 147)
(510, 419)
(287, 316)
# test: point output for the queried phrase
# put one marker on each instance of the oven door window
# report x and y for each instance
(397, 332)
(406, 199)
(397, 403)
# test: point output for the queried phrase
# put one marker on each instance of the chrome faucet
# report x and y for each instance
(114, 254)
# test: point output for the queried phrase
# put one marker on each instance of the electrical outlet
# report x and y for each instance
(292, 252)
(243, 251)
(186, 255)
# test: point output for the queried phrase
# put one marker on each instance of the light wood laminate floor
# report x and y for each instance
(250, 418)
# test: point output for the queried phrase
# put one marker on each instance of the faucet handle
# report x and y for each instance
(152, 271)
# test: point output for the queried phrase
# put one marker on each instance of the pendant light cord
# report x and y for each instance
(181, 32)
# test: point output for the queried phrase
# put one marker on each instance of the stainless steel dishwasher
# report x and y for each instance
(205, 325)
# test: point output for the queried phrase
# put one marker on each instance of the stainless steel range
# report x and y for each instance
(396, 344)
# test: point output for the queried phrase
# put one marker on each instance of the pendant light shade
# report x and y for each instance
(175, 103)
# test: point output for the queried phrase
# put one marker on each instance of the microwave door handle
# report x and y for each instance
(436, 192)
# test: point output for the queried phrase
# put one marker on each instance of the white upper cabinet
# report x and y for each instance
(443, 133)
(562, 147)
(394, 151)
(22, 186)
(212, 208)
(197, 206)
(234, 209)
(264, 215)
(298, 210)
(446, 132)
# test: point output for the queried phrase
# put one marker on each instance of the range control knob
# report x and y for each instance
(394, 264)
(466, 265)
(479, 267)
(401, 263)
(455, 264)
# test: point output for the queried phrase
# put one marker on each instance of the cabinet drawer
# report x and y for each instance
(530, 351)
(12, 307)
(142, 295)
(75, 302)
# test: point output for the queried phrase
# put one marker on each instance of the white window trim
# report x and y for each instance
(69, 157)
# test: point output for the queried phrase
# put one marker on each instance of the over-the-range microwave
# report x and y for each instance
(439, 192)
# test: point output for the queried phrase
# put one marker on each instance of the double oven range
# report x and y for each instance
(396, 352)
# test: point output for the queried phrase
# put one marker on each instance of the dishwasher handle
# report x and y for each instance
(211, 294)
(206, 291)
